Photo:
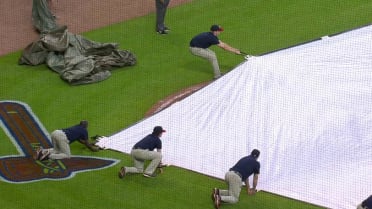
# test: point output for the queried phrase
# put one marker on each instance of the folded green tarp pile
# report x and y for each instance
(76, 59)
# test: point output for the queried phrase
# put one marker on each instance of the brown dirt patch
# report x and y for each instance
(17, 30)
(178, 96)
(80, 16)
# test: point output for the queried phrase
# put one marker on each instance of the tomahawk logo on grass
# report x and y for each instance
(27, 134)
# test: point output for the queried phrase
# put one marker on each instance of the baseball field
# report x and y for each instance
(164, 67)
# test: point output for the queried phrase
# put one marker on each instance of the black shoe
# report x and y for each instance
(122, 172)
(161, 165)
(149, 175)
(166, 29)
(45, 156)
(217, 201)
(38, 154)
(162, 32)
(215, 192)
(217, 77)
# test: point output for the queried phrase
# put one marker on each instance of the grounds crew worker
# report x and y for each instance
(200, 43)
(61, 140)
(144, 150)
(245, 167)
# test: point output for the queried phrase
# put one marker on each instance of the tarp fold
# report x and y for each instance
(77, 59)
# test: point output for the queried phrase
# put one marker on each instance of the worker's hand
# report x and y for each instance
(252, 191)
(93, 148)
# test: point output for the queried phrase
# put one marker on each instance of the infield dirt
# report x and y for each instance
(17, 30)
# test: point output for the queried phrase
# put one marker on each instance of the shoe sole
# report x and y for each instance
(45, 156)
(38, 154)
(217, 201)
(122, 172)
(162, 33)
(162, 165)
(148, 175)
(215, 191)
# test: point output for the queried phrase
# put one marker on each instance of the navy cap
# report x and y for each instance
(157, 130)
(255, 153)
(216, 28)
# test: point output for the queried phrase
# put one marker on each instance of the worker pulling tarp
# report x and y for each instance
(76, 59)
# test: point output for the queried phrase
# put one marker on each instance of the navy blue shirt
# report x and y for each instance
(76, 132)
(247, 166)
(204, 40)
(150, 142)
(368, 202)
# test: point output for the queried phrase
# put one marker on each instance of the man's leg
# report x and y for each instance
(234, 183)
(210, 56)
(360, 206)
(55, 137)
(161, 10)
(61, 147)
(154, 156)
(138, 162)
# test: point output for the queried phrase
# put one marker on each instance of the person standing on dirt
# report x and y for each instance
(144, 150)
(244, 168)
(61, 140)
(200, 43)
(161, 10)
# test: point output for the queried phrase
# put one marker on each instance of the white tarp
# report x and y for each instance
(307, 108)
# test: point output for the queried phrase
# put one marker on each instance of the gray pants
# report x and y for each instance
(234, 182)
(139, 156)
(361, 207)
(208, 55)
(161, 9)
(61, 147)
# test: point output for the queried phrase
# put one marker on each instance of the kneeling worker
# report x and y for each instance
(245, 167)
(61, 140)
(144, 150)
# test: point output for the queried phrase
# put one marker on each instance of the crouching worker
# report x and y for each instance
(245, 167)
(144, 150)
(366, 204)
(61, 140)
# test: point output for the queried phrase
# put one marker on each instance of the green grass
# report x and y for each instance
(164, 67)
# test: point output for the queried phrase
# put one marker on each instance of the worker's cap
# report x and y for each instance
(255, 153)
(216, 28)
(157, 130)
(84, 123)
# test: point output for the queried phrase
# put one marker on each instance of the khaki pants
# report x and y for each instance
(140, 156)
(61, 147)
(360, 207)
(208, 55)
(234, 182)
